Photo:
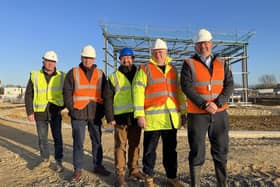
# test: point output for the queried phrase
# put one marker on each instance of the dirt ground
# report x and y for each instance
(252, 162)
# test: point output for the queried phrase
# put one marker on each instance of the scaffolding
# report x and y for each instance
(230, 46)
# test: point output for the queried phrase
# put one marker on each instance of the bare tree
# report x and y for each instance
(268, 81)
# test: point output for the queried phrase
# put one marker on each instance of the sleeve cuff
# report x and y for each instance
(219, 105)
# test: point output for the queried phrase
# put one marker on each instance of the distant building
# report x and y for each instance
(13, 94)
(266, 91)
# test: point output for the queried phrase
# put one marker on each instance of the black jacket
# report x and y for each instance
(187, 84)
(93, 111)
(52, 110)
(121, 119)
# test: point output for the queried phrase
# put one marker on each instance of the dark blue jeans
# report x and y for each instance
(42, 131)
(78, 134)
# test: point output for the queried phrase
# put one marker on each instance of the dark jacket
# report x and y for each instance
(93, 111)
(187, 84)
(121, 119)
(52, 110)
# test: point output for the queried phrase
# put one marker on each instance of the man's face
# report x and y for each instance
(160, 55)
(49, 65)
(87, 62)
(126, 61)
(204, 48)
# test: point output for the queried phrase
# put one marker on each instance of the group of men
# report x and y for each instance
(151, 97)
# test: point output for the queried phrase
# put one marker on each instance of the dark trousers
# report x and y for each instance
(78, 134)
(217, 128)
(169, 144)
(42, 131)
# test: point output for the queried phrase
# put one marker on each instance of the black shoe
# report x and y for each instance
(58, 166)
(101, 171)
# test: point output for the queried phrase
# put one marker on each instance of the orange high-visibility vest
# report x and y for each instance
(85, 90)
(206, 85)
(159, 87)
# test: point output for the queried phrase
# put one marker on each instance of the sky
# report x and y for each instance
(28, 28)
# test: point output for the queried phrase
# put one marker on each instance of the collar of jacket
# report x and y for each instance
(167, 60)
(197, 57)
(87, 69)
(54, 72)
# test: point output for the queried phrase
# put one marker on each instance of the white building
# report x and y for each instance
(13, 92)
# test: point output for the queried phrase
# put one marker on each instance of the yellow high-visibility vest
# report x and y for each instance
(47, 92)
(123, 96)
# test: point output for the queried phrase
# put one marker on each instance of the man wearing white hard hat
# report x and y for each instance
(207, 82)
(157, 109)
(83, 93)
(43, 103)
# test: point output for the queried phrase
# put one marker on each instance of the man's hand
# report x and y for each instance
(141, 122)
(31, 117)
(113, 123)
(211, 107)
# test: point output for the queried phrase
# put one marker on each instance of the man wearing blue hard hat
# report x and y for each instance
(119, 113)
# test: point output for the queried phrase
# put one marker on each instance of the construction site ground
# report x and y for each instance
(253, 160)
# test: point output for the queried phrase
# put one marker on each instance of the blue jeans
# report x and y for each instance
(42, 131)
(78, 134)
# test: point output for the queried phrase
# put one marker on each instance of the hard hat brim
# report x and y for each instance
(48, 59)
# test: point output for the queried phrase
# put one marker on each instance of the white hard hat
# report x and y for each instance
(203, 35)
(88, 51)
(50, 55)
(159, 44)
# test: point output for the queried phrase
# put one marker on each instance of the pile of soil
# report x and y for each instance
(260, 123)
(255, 117)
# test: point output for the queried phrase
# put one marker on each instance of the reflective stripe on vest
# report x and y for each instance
(159, 87)
(47, 92)
(208, 86)
(123, 96)
(85, 90)
(164, 111)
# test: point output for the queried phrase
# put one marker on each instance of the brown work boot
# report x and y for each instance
(76, 177)
(120, 181)
(149, 181)
(101, 171)
(174, 182)
(137, 176)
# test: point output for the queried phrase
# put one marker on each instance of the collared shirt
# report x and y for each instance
(207, 61)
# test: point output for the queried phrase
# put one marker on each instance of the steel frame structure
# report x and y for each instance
(230, 46)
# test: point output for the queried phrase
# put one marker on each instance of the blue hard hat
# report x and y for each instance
(126, 52)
